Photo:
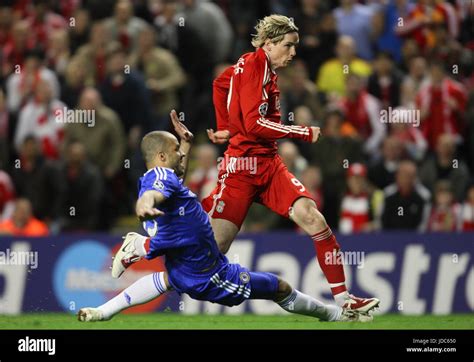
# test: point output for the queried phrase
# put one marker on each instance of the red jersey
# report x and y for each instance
(246, 100)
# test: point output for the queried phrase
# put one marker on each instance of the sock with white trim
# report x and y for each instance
(143, 290)
(300, 303)
(329, 258)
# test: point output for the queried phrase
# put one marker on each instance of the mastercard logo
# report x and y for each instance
(82, 277)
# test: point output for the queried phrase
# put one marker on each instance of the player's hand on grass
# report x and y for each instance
(182, 131)
(218, 137)
(148, 213)
(316, 134)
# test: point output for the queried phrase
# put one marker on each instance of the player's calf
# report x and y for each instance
(147, 288)
(294, 301)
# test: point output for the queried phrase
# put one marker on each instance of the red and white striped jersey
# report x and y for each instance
(246, 101)
(355, 213)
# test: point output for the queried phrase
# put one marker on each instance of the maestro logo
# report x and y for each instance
(82, 277)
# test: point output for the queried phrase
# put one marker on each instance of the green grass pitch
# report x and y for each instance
(246, 321)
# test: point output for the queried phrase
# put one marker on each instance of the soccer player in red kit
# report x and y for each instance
(246, 101)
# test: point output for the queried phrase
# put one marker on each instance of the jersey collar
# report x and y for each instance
(261, 54)
(151, 169)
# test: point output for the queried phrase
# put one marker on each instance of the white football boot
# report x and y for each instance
(349, 315)
(128, 253)
(90, 315)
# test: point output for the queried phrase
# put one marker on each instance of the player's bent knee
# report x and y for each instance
(224, 245)
(284, 290)
(305, 212)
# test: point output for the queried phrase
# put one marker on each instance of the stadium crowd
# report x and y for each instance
(82, 80)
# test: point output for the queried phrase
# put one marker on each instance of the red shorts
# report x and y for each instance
(245, 180)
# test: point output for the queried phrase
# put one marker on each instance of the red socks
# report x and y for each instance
(327, 250)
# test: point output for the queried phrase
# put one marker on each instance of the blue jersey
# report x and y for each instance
(194, 263)
(184, 233)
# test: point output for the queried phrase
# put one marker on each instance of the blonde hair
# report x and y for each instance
(273, 27)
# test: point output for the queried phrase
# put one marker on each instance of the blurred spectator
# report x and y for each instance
(449, 50)
(83, 190)
(4, 139)
(304, 117)
(43, 21)
(413, 81)
(204, 42)
(332, 74)
(104, 139)
(317, 31)
(204, 177)
(44, 118)
(410, 50)
(363, 113)
(424, 18)
(211, 29)
(445, 214)
(356, 20)
(385, 24)
(407, 202)
(94, 54)
(312, 179)
(164, 76)
(126, 93)
(79, 33)
(467, 26)
(384, 83)
(382, 173)
(166, 21)
(292, 158)
(99, 9)
(7, 195)
(6, 21)
(467, 213)
(356, 206)
(444, 165)
(15, 47)
(123, 26)
(37, 179)
(58, 53)
(332, 153)
(74, 82)
(23, 85)
(301, 91)
(411, 138)
(22, 221)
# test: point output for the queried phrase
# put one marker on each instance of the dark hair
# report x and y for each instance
(335, 111)
(37, 53)
(385, 54)
(438, 63)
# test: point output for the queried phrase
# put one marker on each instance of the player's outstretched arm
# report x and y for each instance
(145, 207)
(186, 138)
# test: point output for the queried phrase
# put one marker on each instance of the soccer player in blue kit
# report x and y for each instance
(179, 228)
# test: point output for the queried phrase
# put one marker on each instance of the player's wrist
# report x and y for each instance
(310, 137)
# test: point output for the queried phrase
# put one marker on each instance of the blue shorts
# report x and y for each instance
(230, 285)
